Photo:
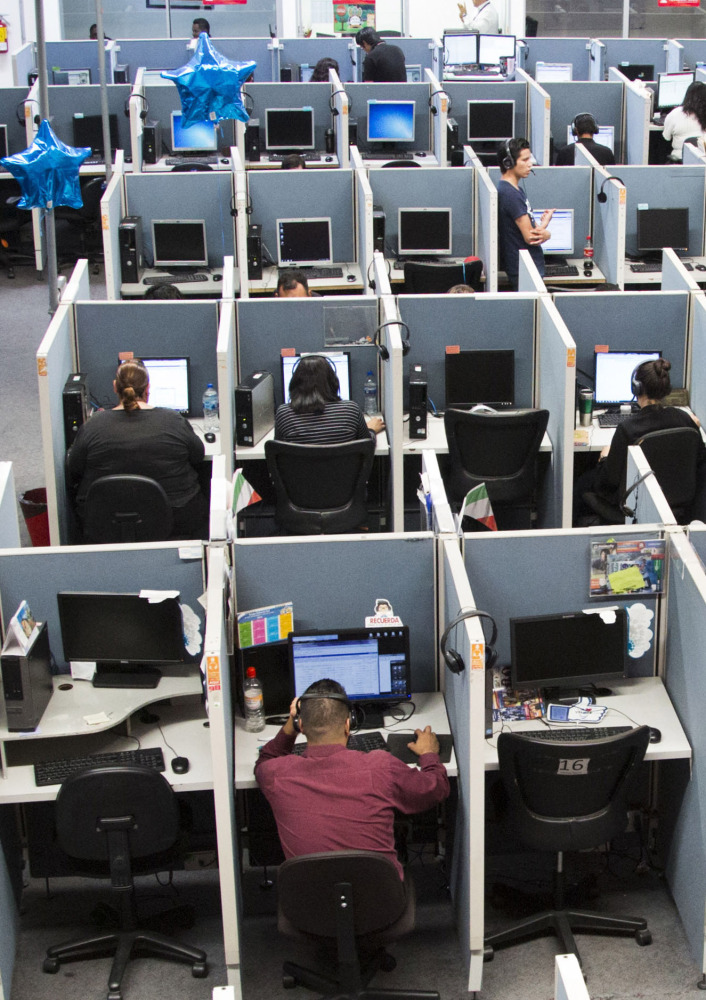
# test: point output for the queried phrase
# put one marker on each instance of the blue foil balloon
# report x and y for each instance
(47, 172)
(209, 85)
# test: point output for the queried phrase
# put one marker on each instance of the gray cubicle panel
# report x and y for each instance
(603, 100)
(171, 53)
(11, 106)
(65, 102)
(148, 329)
(668, 186)
(343, 578)
(79, 54)
(541, 573)
(559, 50)
(9, 524)
(417, 52)
(206, 196)
(433, 187)
(627, 321)
(693, 51)
(628, 51)
(161, 100)
(360, 93)
(647, 499)
(308, 51)
(266, 327)
(461, 93)
(478, 322)
(298, 194)
(697, 396)
(293, 95)
(609, 227)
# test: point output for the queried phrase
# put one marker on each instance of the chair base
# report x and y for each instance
(352, 981)
(562, 923)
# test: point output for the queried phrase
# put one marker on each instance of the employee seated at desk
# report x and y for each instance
(292, 284)
(135, 438)
(334, 799)
(583, 128)
(516, 228)
(688, 121)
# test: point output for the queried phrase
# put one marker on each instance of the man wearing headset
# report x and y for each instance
(292, 284)
(584, 127)
(516, 227)
(334, 799)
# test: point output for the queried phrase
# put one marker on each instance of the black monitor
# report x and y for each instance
(490, 121)
(303, 242)
(179, 243)
(637, 71)
(671, 88)
(569, 651)
(289, 129)
(658, 228)
(88, 131)
(480, 377)
(125, 635)
(424, 232)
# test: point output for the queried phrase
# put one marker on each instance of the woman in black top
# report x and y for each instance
(135, 438)
(316, 414)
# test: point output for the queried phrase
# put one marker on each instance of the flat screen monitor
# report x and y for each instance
(613, 370)
(461, 49)
(422, 231)
(303, 242)
(671, 88)
(605, 136)
(492, 49)
(390, 121)
(490, 121)
(546, 72)
(199, 138)
(637, 71)
(125, 635)
(289, 129)
(179, 243)
(561, 228)
(169, 383)
(570, 650)
(4, 148)
(340, 361)
(414, 73)
(71, 77)
(88, 131)
(306, 72)
(658, 228)
(480, 377)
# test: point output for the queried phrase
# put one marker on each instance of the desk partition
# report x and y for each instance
(64, 102)
(603, 100)
(77, 54)
(609, 227)
(9, 524)
(308, 51)
(627, 51)
(12, 106)
(360, 93)
(293, 95)
(693, 51)
(637, 123)
(171, 53)
(486, 213)
(420, 52)
(160, 101)
(646, 499)
(539, 121)
(697, 380)
(668, 186)
(556, 391)
(462, 92)
(559, 50)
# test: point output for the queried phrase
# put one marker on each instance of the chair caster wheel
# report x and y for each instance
(289, 982)
(51, 965)
(488, 953)
(388, 962)
(115, 995)
(643, 938)
(199, 970)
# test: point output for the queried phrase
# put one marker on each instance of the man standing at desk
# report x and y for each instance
(516, 228)
(335, 799)
(383, 63)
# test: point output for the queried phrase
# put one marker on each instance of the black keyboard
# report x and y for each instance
(365, 742)
(397, 745)
(612, 419)
(319, 272)
(94, 161)
(398, 154)
(308, 157)
(560, 271)
(174, 279)
(192, 161)
(647, 267)
(579, 735)
(53, 772)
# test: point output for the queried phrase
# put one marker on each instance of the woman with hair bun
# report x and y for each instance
(135, 438)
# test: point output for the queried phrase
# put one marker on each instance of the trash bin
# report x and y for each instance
(33, 504)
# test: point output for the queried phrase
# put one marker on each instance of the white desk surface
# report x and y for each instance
(600, 437)
(257, 452)
(430, 711)
(325, 162)
(212, 447)
(655, 277)
(224, 163)
(436, 438)
(212, 287)
(643, 700)
(424, 158)
(267, 285)
(596, 276)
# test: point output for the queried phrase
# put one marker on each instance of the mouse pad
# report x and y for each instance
(397, 745)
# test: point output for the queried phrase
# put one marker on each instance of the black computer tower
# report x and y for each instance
(290, 73)
(254, 408)
(27, 683)
(378, 229)
(252, 140)
(75, 405)
(452, 135)
(254, 252)
(121, 73)
(417, 403)
(151, 142)
(352, 131)
(130, 242)
(271, 662)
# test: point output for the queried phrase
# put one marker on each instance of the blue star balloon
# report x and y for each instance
(209, 85)
(47, 172)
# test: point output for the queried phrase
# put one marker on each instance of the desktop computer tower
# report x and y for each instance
(151, 142)
(130, 242)
(271, 662)
(290, 73)
(75, 406)
(352, 131)
(378, 229)
(254, 408)
(452, 134)
(252, 140)
(27, 683)
(254, 252)
(417, 403)
(121, 73)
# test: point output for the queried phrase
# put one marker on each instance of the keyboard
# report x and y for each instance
(308, 157)
(94, 161)
(53, 772)
(365, 742)
(612, 419)
(646, 267)
(319, 272)
(398, 154)
(397, 745)
(175, 161)
(560, 271)
(174, 279)
(583, 734)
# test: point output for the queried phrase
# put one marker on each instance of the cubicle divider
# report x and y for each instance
(242, 222)
(159, 102)
(76, 54)
(438, 514)
(666, 186)
(227, 381)
(486, 215)
(380, 277)
(692, 155)
(568, 979)
(307, 52)
(529, 279)
(609, 227)
(112, 213)
(675, 277)
(555, 374)
(597, 64)
(171, 53)
(603, 100)
(646, 499)
(340, 105)
(419, 53)
(697, 379)
(364, 223)
(9, 523)
(559, 50)
(471, 90)
(643, 51)
(439, 106)
(12, 113)
(539, 119)
(675, 56)
(220, 521)
(360, 93)
(24, 61)
(693, 51)
(390, 340)
(636, 147)
(65, 102)
(293, 95)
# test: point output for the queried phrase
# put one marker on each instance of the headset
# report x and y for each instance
(508, 158)
(333, 697)
(591, 125)
(245, 97)
(145, 110)
(432, 107)
(452, 658)
(234, 210)
(602, 196)
(636, 386)
(382, 350)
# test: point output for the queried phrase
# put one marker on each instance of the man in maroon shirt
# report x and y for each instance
(334, 799)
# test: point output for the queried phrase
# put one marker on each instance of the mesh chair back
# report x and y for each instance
(421, 277)
(126, 509)
(673, 455)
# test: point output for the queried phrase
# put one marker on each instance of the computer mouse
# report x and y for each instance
(224, 159)
(218, 277)
(210, 437)
(655, 735)
(127, 159)
(328, 159)
(351, 277)
(421, 153)
(180, 765)
(700, 267)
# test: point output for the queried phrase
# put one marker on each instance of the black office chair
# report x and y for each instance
(356, 901)
(117, 820)
(85, 222)
(320, 489)
(126, 509)
(500, 450)
(401, 163)
(569, 797)
(421, 277)
(188, 168)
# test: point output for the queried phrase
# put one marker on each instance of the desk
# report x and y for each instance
(211, 447)
(256, 452)
(325, 161)
(430, 711)
(352, 280)
(601, 437)
(639, 700)
(211, 288)
(224, 163)
(697, 268)
(422, 158)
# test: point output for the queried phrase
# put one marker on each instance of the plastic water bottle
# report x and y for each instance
(210, 410)
(254, 710)
(588, 249)
(370, 395)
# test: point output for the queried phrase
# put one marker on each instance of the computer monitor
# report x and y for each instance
(570, 650)
(199, 138)
(289, 129)
(424, 231)
(125, 635)
(637, 71)
(169, 383)
(303, 242)
(4, 148)
(490, 121)
(546, 72)
(71, 77)
(306, 71)
(88, 131)
(460, 48)
(390, 121)
(671, 88)
(493, 49)
(480, 377)
(340, 360)
(414, 73)
(658, 228)
(612, 375)
(179, 243)
(372, 664)
(561, 228)
(605, 136)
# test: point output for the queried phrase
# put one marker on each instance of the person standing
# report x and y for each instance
(516, 227)
(485, 18)
(383, 63)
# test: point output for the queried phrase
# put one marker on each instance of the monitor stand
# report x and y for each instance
(111, 675)
(369, 715)
(569, 695)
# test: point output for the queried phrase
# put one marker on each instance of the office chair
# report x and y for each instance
(117, 820)
(126, 509)
(498, 449)
(401, 163)
(12, 221)
(320, 488)
(187, 168)
(422, 277)
(569, 797)
(86, 223)
(355, 900)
